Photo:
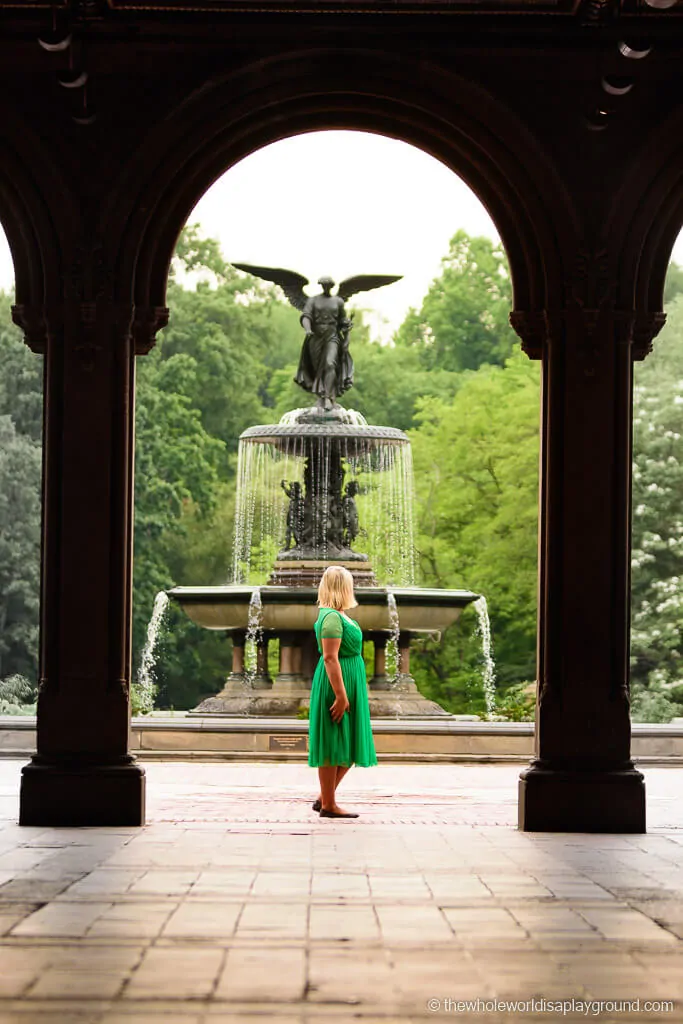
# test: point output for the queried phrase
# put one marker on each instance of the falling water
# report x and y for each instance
(254, 633)
(392, 645)
(489, 669)
(381, 467)
(146, 681)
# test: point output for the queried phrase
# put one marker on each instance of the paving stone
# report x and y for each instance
(343, 923)
(64, 920)
(202, 921)
(56, 984)
(176, 974)
(267, 973)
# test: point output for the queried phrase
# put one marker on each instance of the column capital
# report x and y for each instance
(646, 327)
(31, 320)
(532, 328)
(146, 322)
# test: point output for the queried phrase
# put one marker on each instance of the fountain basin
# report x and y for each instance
(420, 609)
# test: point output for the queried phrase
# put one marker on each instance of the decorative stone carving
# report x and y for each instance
(597, 12)
(646, 327)
(31, 320)
(88, 346)
(532, 328)
(146, 322)
(593, 283)
(90, 277)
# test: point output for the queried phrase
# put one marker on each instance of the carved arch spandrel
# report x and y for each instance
(653, 191)
(454, 120)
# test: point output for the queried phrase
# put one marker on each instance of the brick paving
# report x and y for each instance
(237, 903)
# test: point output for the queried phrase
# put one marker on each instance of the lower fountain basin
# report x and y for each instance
(420, 609)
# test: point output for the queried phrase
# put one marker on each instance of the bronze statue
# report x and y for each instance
(295, 513)
(325, 366)
(350, 513)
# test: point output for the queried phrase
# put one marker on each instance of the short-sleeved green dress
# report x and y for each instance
(349, 741)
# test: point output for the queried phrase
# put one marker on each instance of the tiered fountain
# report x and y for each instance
(307, 489)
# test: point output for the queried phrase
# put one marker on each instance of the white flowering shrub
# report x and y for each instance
(657, 528)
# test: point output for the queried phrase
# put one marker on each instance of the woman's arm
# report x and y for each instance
(331, 647)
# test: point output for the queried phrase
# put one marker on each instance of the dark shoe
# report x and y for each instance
(317, 805)
(333, 814)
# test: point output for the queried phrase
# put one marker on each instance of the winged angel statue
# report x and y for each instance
(325, 366)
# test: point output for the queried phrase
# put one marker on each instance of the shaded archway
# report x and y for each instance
(563, 312)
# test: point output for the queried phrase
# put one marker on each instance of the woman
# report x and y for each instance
(339, 732)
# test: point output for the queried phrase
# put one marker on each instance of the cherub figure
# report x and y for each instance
(350, 513)
(295, 512)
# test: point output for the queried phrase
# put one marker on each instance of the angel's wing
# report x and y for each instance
(291, 283)
(364, 283)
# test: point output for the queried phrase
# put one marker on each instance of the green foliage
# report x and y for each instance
(20, 480)
(476, 473)
(518, 704)
(463, 321)
(657, 551)
(17, 696)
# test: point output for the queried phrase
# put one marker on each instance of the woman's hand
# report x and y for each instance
(340, 707)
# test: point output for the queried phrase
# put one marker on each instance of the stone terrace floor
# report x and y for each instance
(237, 903)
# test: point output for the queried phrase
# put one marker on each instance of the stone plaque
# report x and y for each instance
(287, 743)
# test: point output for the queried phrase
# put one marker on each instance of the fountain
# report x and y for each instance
(310, 490)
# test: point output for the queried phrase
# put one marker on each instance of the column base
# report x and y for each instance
(77, 793)
(561, 800)
(380, 682)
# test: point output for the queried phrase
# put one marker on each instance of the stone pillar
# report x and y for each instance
(405, 681)
(582, 778)
(262, 679)
(380, 680)
(238, 674)
(288, 678)
(82, 773)
(297, 657)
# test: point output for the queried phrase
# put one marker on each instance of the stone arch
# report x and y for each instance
(36, 227)
(451, 119)
(654, 191)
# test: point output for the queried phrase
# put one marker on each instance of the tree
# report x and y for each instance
(20, 471)
(657, 534)
(463, 321)
(476, 473)
(21, 405)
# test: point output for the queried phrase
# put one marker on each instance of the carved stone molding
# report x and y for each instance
(90, 276)
(32, 322)
(592, 284)
(146, 322)
(532, 328)
(646, 327)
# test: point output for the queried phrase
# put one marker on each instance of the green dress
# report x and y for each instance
(349, 741)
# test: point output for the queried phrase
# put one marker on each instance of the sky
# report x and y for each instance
(341, 203)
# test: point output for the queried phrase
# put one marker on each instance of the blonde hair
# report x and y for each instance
(336, 589)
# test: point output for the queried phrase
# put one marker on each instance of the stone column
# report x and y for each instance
(82, 773)
(380, 680)
(288, 679)
(237, 671)
(405, 681)
(262, 679)
(582, 778)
